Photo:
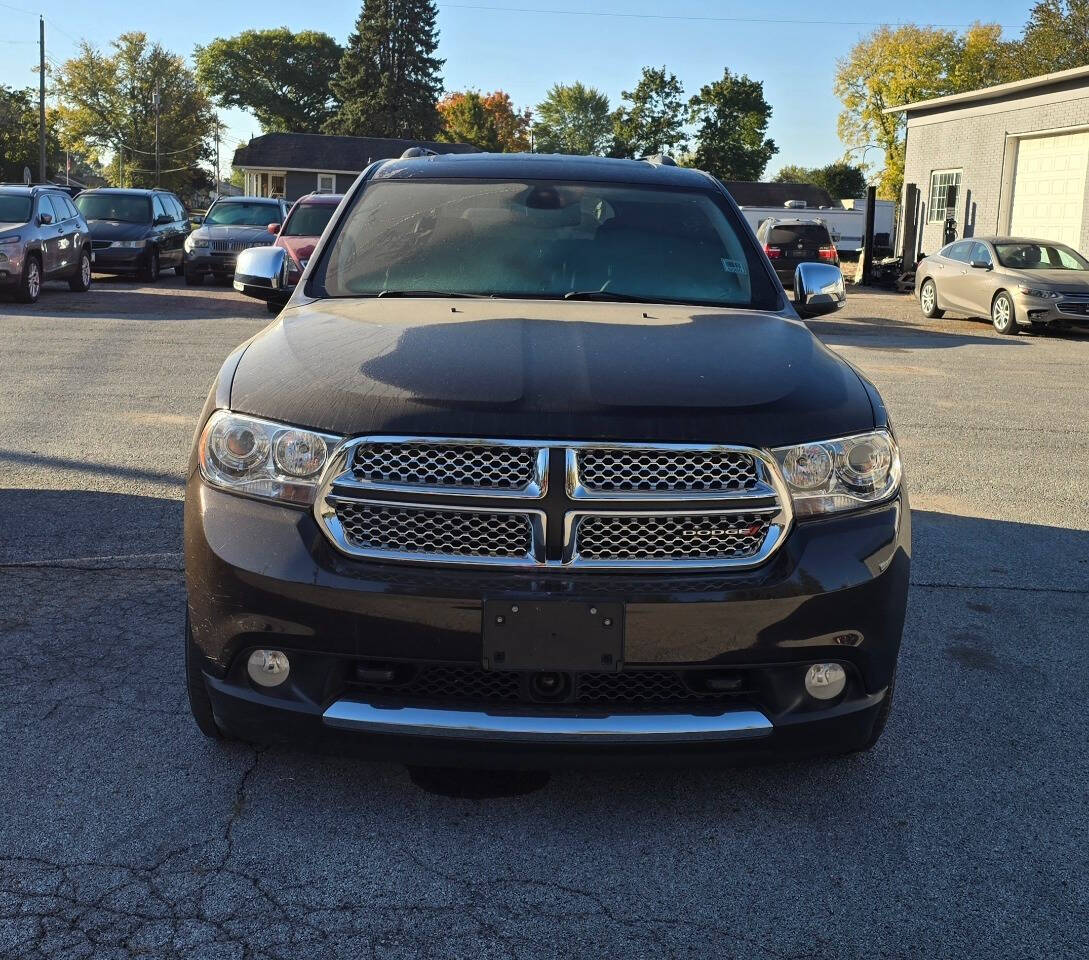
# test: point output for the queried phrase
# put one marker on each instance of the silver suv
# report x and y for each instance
(42, 237)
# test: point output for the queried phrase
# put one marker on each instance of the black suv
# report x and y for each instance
(789, 242)
(539, 463)
(42, 237)
(136, 231)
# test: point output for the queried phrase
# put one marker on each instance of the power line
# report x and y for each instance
(693, 18)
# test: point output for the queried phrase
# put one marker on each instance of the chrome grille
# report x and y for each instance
(627, 505)
(655, 537)
(489, 467)
(229, 245)
(101, 244)
(656, 471)
(378, 529)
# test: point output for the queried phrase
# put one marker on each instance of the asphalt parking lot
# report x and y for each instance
(124, 833)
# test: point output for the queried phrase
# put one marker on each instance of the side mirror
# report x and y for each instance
(981, 265)
(261, 272)
(818, 289)
(273, 228)
(163, 218)
(45, 219)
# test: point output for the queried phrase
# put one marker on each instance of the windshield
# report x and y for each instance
(544, 239)
(14, 209)
(114, 206)
(1039, 256)
(242, 213)
(308, 220)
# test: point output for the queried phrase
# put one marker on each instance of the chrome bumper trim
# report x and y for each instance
(649, 728)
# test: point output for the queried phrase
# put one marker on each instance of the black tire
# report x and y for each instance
(273, 308)
(199, 702)
(81, 282)
(1003, 316)
(928, 300)
(193, 279)
(179, 270)
(149, 273)
(30, 284)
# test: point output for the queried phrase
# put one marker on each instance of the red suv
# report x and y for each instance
(301, 231)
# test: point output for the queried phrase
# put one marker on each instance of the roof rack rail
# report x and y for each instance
(418, 152)
(659, 160)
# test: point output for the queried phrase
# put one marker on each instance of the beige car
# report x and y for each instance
(1018, 283)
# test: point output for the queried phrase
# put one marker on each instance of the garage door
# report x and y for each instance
(1049, 188)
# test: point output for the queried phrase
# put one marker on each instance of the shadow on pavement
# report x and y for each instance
(883, 333)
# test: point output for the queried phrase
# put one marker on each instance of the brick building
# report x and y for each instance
(1011, 159)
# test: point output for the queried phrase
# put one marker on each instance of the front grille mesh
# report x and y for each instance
(1081, 308)
(470, 684)
(679, 537)
(435, 533)
(606, 470)
(477, 466)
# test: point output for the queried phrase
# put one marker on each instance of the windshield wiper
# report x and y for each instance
(441, 294)
(608, 295)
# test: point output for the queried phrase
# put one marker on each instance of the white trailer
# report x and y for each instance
(846, 223)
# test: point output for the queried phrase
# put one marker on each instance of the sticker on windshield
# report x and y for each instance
(733, 266)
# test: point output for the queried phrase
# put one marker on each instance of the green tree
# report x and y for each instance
(731, 118)
(282, 77)
(19, 135)
(898, 65)
(652, 118)
(1056, 37)
(488, 121)
(573, 118)
(841, 180)
(388, 81)
(107, 102)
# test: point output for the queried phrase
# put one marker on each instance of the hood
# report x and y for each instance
(118, 230)
(549, 370)
(299, 247)
(233, 232)
(1057, 279)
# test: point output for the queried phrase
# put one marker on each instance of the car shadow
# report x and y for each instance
(879, 332)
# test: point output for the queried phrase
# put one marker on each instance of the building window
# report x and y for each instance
(944, 188)
(327, 183)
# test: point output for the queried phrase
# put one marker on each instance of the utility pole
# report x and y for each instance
(41, 100)
(156, 100)
(217, 158)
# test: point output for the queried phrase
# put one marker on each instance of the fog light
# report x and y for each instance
(825, 681)
(268, 668)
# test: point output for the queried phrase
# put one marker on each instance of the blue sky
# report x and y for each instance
(509, 44)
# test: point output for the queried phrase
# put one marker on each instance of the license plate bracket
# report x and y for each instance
(554, 635)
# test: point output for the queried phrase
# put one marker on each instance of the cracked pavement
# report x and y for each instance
(123, 833)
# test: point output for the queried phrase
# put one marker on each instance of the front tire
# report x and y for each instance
(200, 704)
(928, 300)
(193, 278)
(81, 282)
(1002, 315)
(30, 286)
(150, 272)
(179, 270)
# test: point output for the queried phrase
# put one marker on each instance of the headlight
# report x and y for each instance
(129, 243)
(1038, 292)
(834, 475)
(9, 239)
(263, 459)
(191, 242)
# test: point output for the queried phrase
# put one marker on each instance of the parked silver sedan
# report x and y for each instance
(1018, 283)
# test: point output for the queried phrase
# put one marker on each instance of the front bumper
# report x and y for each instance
(1068, 311)
(204, 261)
(261, 575)
(11, 264)
(119, 259)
